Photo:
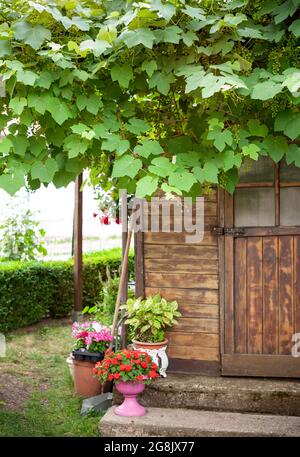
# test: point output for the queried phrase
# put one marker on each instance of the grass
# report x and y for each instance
(36, 391)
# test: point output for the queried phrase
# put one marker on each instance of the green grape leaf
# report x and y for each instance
(265, 90)
(148, 147)
(149, 67)
(127, 165)
(293, 155)
(182, 180)
(20, 144)
(169, 190)
(257, 129)
(139, 36)
(17, 104)
(231, 160)
(146, 186)
(161, 166)
(276, 147)
(209, 173)
(162, 81)
(251, 151)
(137, 126)
(115, 143)
(45, 80)
(26, 77)
(123, 74)
(98, 47)
(44, 171)
(37, 145)
(33, 35)
(220, 138)
(12, 182)
(292, 82)
(58, 110)
(5, 48)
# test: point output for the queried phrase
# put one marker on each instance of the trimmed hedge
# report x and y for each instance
(30, 291)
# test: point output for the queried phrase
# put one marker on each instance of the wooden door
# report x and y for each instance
(262, 272)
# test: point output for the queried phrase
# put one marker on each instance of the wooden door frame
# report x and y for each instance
(233, 364)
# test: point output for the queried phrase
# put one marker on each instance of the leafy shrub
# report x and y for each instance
(22, 239)
(104, 308)
(30, 291)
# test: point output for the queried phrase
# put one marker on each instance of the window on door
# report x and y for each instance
(267, 195)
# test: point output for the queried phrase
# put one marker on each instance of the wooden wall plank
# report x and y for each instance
(178, 238)
(156, 251)
(192, 296)
(228, 276)
(190, 281)
(254, 299)
(190, 325)
(265, 365)
(210, 209)
(240, 295)
(201, 367)
(206, 340)
(286, 323)
(199, 310)
(193, 353)
(202, 266)
(297, 284)
(270, 295)
(139, 264)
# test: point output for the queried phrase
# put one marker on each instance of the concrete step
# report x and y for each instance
(164, 422)
(253, 395)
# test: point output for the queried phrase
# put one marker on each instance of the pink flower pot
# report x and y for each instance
(130, 406)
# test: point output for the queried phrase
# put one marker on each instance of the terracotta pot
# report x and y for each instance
(149, 346)
(130, 406)
(85, 383)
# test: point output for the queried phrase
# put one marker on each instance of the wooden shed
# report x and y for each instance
(239, 288)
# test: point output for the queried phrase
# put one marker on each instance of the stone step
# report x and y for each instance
(164, 422)
(253, 395)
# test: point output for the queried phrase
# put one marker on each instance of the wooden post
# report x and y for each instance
(78, 279)
(124, 291)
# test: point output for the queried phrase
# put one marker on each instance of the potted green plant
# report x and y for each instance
(148, 320)
(91, 340)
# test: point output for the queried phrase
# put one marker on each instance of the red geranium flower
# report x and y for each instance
(104, 220)
(117, 375)
(140, 377)
(153, 374)
(144, 364)
(110, 377)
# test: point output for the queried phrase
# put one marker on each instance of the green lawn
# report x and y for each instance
(36, 392)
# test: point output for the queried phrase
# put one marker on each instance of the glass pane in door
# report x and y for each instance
(290, 206)
(255, 207)
(289, 173)
(261, 170)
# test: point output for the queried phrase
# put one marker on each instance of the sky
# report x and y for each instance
(54, 210)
